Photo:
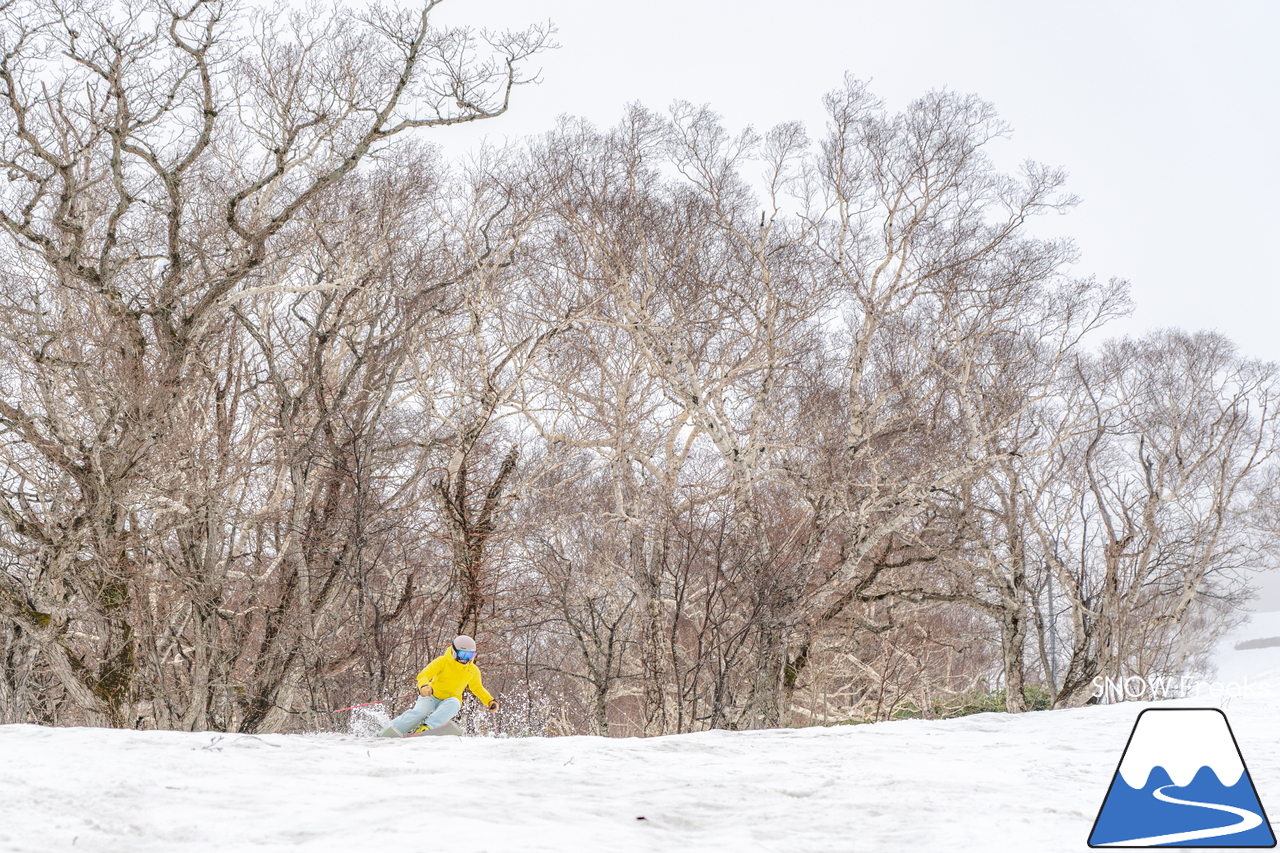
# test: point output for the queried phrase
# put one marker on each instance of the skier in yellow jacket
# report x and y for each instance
(440, 688)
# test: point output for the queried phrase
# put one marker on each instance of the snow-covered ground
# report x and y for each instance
(990, 782)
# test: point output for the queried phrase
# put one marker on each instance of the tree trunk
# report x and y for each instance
(766, 710)
(1013, 638)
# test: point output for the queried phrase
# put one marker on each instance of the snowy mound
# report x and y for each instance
(990, 782)
(1202, 739)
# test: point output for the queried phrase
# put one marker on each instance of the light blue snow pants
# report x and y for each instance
(434, 712)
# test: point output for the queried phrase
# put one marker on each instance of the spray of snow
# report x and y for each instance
(367, 722)
(527, 711)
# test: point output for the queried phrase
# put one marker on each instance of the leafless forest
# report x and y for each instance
(691, 428)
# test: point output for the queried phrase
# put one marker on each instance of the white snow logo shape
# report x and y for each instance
(1181, 783)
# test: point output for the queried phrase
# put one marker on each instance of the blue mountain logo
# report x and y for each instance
(1182, 783)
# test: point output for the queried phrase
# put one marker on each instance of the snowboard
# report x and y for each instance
(446, 729)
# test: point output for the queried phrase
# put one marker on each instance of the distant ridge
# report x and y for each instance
(1269, 642)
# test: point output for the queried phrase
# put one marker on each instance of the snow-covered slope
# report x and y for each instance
(987, 782)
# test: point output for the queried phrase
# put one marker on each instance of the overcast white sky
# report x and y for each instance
(1166, 114)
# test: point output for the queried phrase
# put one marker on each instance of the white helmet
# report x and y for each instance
(464, 648)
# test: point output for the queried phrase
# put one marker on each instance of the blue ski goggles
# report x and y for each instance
(464, 655)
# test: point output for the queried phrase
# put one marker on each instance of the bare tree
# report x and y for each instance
(160, 160)
(1172, 471)
(699, 429)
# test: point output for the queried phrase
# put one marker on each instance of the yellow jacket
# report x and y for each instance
(448, 678)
